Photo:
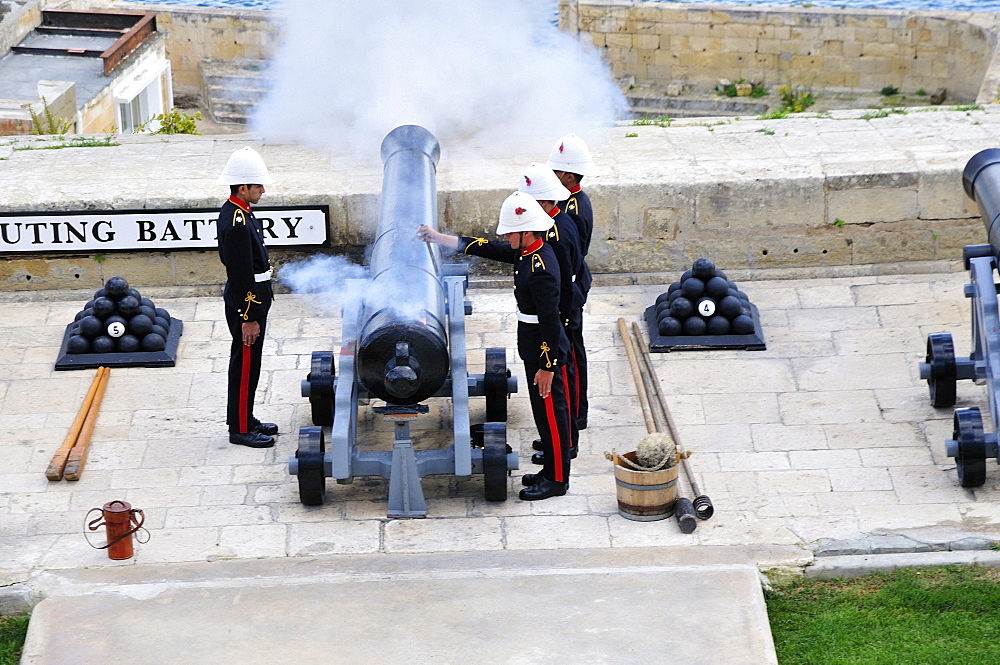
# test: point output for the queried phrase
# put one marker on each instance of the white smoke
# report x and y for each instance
(496, 75)
(327, 275)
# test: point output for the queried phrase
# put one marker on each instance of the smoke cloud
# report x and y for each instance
(325, 274)
(494, 75)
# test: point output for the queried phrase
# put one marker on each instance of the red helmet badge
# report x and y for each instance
(519, 211)
(527, 181)
(561, 146)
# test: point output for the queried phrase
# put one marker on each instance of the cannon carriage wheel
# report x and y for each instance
(495, 380)
(942, 379)
(970, 457)
(318, 387)
(312, 479)
(495, 461)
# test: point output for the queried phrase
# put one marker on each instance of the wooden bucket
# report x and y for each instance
(645, 496)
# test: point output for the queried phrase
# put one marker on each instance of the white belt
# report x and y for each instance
(263, 276)
(574, 278)
(526, 318)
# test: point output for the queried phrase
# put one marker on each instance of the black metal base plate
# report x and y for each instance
(665, 344)
(165, 358)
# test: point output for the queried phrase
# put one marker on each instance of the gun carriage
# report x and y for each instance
(970, 444)
(404, 343)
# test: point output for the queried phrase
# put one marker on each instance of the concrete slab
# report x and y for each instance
(634, 607)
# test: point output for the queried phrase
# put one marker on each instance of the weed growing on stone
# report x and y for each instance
(875, 115)
(967, 107)
(889, 91)
(765, 130)
(796, 98)
(175, 122)
(631, 135)
(776, 114)
(74, 142)
(921, 93)
(47, 123)
(13, 628)
(659, 121)
(838, 222)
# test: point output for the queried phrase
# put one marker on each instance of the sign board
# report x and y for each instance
(154, 230)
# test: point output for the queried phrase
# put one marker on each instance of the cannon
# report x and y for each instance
(403, 343)
(970, 445)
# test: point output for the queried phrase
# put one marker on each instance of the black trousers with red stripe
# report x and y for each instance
(578, 357)
(552, 418)
(244, 374)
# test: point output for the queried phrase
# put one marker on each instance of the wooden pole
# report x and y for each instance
(647, 412)
(58, 463)
(78, 455)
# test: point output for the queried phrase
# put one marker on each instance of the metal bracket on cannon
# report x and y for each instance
(970, 445)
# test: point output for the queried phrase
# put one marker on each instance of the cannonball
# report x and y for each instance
(718, 325)
(745, 310)
(688, 274)
(681, 308)
(730, 307)
(703, 268)
(692, 288)
(146, 302)
(742, 325)
(134, 293)
(77, 344)
(662, 297)
(705, 307)
(99, 293)
(673, 287)
(91, 327)
(148, 311)
(116, 325)
(82, 313)
(734, 292)
(128, 306)
(695, 325)
(162, 322)
(742, 296)
(153, 342)
(717, 288)
(104, 307)
(661, 308)
(670, 327)
(674, 296)
(160, 330)
(102, 344)
(128, 343)
(140, 325)
(162, 312)
(662, 313)
(90, 303)
(116, 288)
(719, 273)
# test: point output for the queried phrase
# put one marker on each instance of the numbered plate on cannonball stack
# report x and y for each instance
(705, 308)
(164, 358)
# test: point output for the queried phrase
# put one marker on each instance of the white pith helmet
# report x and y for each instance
(245, 167)
(542, 184)
(520, 212)
(571, 154)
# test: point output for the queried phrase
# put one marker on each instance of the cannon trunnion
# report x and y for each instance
(970, 445)
(404, 343)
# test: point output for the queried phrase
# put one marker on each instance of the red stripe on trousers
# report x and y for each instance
(244, 389)
(569, 408)
(576, 380)
(550, 414)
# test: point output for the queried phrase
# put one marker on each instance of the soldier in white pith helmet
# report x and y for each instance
(247, 295)
(570, 160)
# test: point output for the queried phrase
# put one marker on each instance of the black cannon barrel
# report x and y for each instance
(981, 180)
(403, 354)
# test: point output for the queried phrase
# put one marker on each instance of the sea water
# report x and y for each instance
(989, 6)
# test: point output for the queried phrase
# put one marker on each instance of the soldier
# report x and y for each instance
(541, 340)
(247, 295)
(570, 160)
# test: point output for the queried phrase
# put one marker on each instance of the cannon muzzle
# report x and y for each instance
(981, 180)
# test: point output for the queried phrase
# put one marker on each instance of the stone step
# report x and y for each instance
(231, 89)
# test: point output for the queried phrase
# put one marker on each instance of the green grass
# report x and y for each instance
(13, 628)
(914, 616)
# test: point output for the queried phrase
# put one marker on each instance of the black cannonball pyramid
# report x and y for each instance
(116, 288)
(718, 325)
(705, 307)
(102, 344)
(115, 325)
(140, 325)
(662, 297)
(77, 344)
(669, 326)
(91, 327)
(717, 288)
(128, 344)
(703, 268)
(128, 306)
(730, 307)
(742, 325)
(692, 288)
(695, 325)
(104, 307)
(160, 330)
(681, 308)
(153, 342)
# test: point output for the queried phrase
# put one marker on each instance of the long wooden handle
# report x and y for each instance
(58, 463)
(647, 412)
(78, 455)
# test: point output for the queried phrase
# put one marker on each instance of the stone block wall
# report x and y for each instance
(836, 50)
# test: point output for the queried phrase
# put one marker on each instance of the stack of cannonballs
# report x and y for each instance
(119, 320)
(703, 302)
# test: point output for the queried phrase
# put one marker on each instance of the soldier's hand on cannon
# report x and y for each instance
(427, 234)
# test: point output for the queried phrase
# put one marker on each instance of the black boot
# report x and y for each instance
(251, 439)
(543, 489)
(267, 429)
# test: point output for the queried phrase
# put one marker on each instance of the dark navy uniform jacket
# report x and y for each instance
(242, 251)
(564, 239)
(578, 207)
(537, 286)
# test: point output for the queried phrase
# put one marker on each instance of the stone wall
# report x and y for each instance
(836, 50)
